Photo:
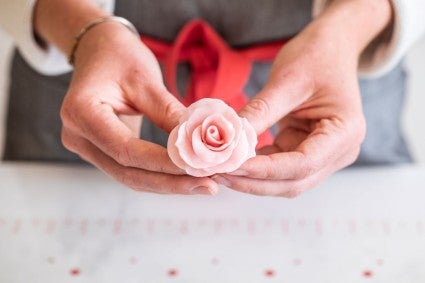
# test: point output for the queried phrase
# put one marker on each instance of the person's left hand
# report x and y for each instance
(314, 95)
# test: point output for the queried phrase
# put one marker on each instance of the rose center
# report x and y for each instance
(213, 137)
(217, 133)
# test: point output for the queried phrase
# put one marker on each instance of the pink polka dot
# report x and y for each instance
(51, 260)
(367, 273)
(172, 272)
(132, 260)
(269, 273)
(75, 272)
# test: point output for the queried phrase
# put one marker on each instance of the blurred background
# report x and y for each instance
(414, 120)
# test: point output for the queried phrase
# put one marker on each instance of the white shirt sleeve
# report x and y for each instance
(378, 59)
(16, 19)
(383, 55)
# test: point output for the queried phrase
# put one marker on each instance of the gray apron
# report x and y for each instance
(34, 126)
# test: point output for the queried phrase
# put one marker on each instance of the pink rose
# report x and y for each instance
(211, 138)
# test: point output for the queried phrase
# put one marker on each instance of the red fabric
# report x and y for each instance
(217, 70)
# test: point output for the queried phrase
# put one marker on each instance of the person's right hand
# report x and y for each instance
(117, 80)
(313, 96)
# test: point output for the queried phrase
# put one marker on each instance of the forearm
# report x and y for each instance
(57, 22)
(353, 23)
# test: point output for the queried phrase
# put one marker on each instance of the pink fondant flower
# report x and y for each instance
(211, 138)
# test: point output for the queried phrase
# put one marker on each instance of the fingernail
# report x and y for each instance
(202, 190)
(239, 172)
(221, 180)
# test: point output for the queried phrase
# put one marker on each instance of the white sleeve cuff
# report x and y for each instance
(16, 18)
(384, 53)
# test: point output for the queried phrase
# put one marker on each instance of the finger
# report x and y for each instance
(285, 188)
(261, 187)
(268, 149)
(162, 108)
(133, 122)
(323, 146)
(291, 133)
(290, 121)
(287, 140)
(277, 166)
(102, 127)
(138, 179)
(280, 96)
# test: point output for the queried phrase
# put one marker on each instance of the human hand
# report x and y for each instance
(313, 95)
(116, 80)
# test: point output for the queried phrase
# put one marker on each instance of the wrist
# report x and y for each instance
(101, 39)
(57, 22)
(95, 23)
(353, 23)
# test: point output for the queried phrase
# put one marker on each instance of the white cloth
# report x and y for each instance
(16, 19)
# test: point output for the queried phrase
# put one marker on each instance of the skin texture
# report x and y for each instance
(116, 80)
(312, 94)
(314, 97)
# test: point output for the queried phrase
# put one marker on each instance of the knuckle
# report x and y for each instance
(294, 190)
(255, 190)
(352, 156)
(171, 110)
(182, 190)
(171, 113)
(311, 167)
(270, 172)
(292, 193)
(307, 168)
(67, 142)
(121, 154)
(129, 179)
(361, 132)
(72, 109)
(65, 113)
(139, 188)
(168, 108)
(357, 129)
(260, 107)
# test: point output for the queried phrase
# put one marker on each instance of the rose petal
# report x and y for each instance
(199, 172)
(239, 156)
(185, 149)
(207, 156)
(199, 152)
(206, 106)
(213, 137)
(173, 151)
(244, 150)
(236, 121)
(251, 136)
(225, 131)
(241, 153)
(196, 119)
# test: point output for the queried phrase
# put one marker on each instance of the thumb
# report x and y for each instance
(161, 107)
(278, 97)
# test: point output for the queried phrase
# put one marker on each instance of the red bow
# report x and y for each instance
(217, 70)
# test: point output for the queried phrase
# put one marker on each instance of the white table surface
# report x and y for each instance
(73, 224)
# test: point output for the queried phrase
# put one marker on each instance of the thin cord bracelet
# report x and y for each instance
(92, 24)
